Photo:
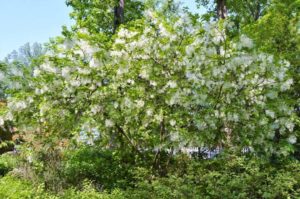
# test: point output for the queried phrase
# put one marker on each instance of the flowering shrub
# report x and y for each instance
(162, 83)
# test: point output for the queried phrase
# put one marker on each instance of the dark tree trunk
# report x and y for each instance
(221, 12)
(274, 157)
(258, 12)
(221, 9)
(119, 15)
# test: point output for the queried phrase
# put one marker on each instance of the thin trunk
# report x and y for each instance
(157, 162)
(131, 142)
(221, 9)
(255, 8)
(258, 12)
(222, 14)
(119, 15)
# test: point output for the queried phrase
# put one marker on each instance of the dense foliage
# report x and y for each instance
(113, 115)
(226, 177)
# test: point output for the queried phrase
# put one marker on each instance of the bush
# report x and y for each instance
(16, 188)
(7, 163)
(241, 177)
(104, 167)
(226, 177)
(89, 192)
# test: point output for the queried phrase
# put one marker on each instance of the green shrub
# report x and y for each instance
(226, 177)
(240, 177)
(89, 192)
(14, 188)
(105, 168)
(7, 163)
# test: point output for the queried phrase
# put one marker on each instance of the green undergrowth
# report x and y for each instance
(227, 176)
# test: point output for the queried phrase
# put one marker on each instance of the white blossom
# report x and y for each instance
(158, 117)
(68, 44)
(272, 95)
(140, 103)
(149, 112)
(83, 31)
(174, 136)
(190, 50)
(172, 84)
(94, 63)
(149, 13)
(1, 121)
(43, 109)
(270, 113)
(126, 33)
(144, 74)
(153, 83)
(292, 139)
(2, 76)
(127, 102)
(29, 159)
(44, 89)
(17, 106)
(286, 85)
(122, 70)
(95, 109)
(246, 42)
(87, 48)
(290, 126)
(119, 41)
(172, 122)
(65, 71)
(48, 67)
(109, 123)
(163, 30)
(116, 53)
(116, 105)
(130, 81)
(9, 116)
(281, 75)
(75, 83)
(83, 71)
(37, 91)
(36, 72)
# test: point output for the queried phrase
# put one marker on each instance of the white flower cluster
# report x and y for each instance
(1, 121)
(155, 77)
(245, 42)
(16, 105)
(47, 67)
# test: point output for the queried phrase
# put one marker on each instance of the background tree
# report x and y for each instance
(25, 54)
(276, 33)
(98, 16)
(118, 15)
(15, 71)
(244, 11)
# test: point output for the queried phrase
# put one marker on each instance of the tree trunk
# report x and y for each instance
(258, 12)
(221, 9)
(119, 15)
